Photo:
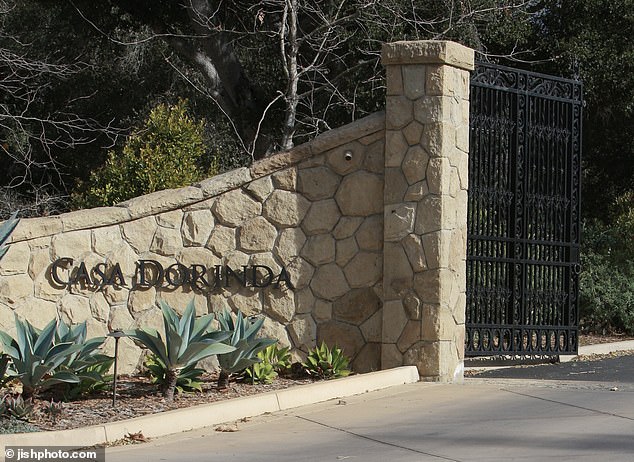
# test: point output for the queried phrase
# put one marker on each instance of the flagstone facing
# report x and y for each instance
(427, 122)
(369, 220)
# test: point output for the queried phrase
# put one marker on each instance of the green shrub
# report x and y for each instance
(274, 361)
(279, 358)
(324, 363)
(166, 153)
(261, 372)
(606, 299)
(607, 280)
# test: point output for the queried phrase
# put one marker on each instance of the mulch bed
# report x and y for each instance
(137, 396)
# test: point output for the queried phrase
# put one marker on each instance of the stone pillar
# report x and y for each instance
(425, 197)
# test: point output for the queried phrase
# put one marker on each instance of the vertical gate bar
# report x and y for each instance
(524, 231)
(493, 215)
(523, 213)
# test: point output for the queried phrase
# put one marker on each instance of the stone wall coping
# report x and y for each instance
(172, 199)
(329, 140)
(428, 52)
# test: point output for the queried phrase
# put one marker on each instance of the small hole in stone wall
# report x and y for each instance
(348, 155)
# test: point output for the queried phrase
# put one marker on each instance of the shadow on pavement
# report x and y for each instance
(616, 370)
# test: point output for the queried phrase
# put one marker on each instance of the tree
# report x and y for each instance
(166, 153)
(33, 128)
(594, 39)
(265, 75)
(68, 95)
(285, 70)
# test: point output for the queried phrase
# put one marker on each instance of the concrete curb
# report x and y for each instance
(205, 415)
(600, 349)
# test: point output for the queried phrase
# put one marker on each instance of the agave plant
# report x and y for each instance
(36, 357)
(279, 358)
(324, 363)
(54, 410)
(261, 372)
(274, 361)
(88, 355)
(189, 378)
(246, 346)
(187, 341)
(4, 367)
(6, 228)
(17, 408)
(88, 363)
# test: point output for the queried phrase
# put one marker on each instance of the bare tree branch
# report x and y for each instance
(29, 136)
(319, 46)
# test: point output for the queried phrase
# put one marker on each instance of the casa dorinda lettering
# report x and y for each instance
(66, 272)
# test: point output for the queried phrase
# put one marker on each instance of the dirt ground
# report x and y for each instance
(137, 396)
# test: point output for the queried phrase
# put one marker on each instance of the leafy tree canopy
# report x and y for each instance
(166, 153)
(595, 38)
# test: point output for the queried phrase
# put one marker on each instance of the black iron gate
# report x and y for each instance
(523, 219)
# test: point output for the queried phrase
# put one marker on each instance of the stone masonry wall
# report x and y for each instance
(316, 210)
(369, 220)
(426, 176)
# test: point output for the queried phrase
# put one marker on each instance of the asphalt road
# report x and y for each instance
(618, 371)
(481, 420)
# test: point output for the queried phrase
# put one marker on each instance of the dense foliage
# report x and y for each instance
(593, 39)
(81, 74)
(166, 153)
(607, 280)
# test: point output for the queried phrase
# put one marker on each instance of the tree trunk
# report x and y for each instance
(223, 380)
(237, 93)
(210, 48)
(27, 393)
(171, 378)
(289, 53)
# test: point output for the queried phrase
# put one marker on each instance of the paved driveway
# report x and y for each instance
(618, 371)
(481, 420)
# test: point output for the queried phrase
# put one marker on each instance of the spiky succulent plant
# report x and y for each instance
(245, 342)
(187, 340)
(36, 357)
(6, 228)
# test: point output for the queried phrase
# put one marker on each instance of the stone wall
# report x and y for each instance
(426, 168)
(315, 210)
(369, 221)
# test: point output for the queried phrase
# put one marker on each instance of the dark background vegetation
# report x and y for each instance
(79, 81)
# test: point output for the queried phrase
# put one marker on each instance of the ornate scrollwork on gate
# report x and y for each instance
(524, 211)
